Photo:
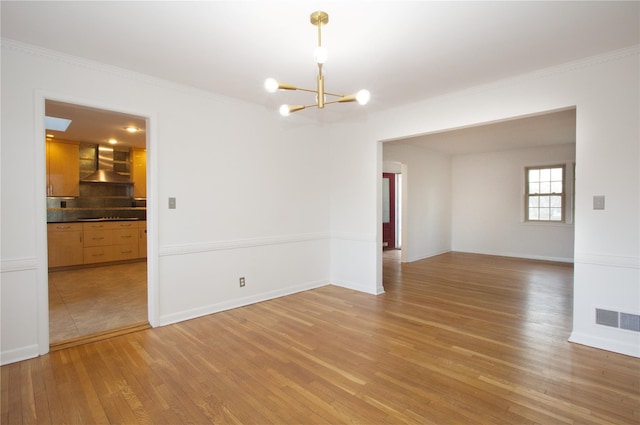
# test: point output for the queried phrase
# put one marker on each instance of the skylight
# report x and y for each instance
(56, 124)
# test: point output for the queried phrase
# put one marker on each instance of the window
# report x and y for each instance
(545, 193)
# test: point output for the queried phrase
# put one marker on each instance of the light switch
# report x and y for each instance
(598, 202)
(172, 203)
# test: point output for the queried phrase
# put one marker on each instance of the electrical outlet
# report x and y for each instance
(242, 282)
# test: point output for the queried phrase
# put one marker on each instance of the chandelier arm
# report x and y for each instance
(307, 90)
(316, 92)
(332, 102)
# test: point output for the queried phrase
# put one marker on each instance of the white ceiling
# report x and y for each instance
(402, 51)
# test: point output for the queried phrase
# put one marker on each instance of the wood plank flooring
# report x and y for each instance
(89, 302)
(456, 339)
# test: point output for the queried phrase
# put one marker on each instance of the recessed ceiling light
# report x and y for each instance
(50, 136)
(113, 141)
(132, 129)
(57, 124)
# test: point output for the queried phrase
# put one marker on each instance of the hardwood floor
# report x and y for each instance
(457, 338)
(93, 301)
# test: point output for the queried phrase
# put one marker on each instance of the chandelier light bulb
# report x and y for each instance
(363, 97)
(284, 110)
(271, 85)
(320, 54)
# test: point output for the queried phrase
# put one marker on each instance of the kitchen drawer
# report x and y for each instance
(99, 225)
(98, 254)
(64, 227)
(125, 251)
(98, 237)
(124, 236)
(124, 225)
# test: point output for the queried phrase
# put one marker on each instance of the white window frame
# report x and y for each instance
(568, 201)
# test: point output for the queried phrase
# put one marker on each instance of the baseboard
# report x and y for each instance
(626, 348)
(357, 287)
(19, 354)
(236, 303)
(427, 255)
(518, 255)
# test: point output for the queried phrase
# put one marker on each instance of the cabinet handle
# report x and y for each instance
(125, 237)
(97, 255)
(63, 227)
(126, 252)
(125, 225)
(97, 239)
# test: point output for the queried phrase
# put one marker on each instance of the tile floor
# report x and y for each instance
(92, 300)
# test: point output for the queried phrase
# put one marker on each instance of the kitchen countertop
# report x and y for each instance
(85, 220)
(73, 215)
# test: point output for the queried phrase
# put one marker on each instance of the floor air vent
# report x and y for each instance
(630, 322)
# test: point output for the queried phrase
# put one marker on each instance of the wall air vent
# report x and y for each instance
(630, 322)
(616, 319)
(607, 317)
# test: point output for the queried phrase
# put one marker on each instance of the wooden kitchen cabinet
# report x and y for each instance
(110, 241)
(142, 239)
(63, 169)
(125, 241)
(73, 244)
(65, 244)
(139, 172)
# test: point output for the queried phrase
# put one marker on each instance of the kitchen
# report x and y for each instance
(96, 223)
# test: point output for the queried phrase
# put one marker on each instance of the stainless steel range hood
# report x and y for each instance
(105, 172)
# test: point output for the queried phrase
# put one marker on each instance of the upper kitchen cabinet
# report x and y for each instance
(63, 169)
(139, 172)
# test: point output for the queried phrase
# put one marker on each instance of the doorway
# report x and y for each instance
(444, 199)
(99, 287)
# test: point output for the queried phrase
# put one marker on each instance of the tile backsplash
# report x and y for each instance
(97, 200)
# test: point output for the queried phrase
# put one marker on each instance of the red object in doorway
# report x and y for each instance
(389, 211)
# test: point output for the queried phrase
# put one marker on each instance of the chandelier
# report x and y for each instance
(318, 19)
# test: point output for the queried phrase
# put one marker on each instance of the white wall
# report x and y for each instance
(355, 242)
(428, 199)
(252, 194)
(488, 206)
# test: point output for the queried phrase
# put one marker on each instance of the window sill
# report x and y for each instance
(546, 223)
